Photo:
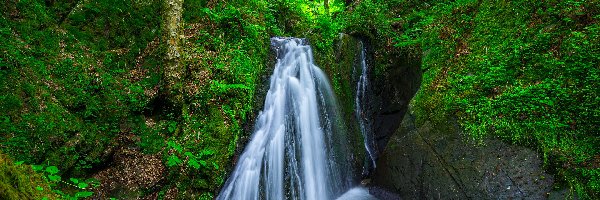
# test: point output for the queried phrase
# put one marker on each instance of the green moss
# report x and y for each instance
(18, 181)
(76, 76)
(524, 76)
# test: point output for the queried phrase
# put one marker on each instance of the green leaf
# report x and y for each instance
(74, 180)
(37, 168)
(207, 152)
(175, 146)
(204, 10)
(19, 163)
(39, 188)
(82, 185)
(202, 162)
(83, 194)
(52, 169)
(173, 161)
(54, 177)
(215, 165)
(192, 162)
(172, 126)
(5, 119)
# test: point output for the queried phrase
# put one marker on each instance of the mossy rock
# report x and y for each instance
(18, 181)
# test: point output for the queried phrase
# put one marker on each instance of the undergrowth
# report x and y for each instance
(525, 72)
(80, 79)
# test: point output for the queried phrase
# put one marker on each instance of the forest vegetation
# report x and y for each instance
(86, 85)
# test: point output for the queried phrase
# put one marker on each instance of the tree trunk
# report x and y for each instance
(172, 34)
(326, 6)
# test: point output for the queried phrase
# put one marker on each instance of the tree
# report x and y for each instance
(173, 70)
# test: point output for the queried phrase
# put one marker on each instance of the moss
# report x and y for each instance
(521, 71)
(75, 77)
(510, 75)
(340, 68)
(18, 181)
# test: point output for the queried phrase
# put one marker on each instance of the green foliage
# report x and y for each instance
(368, 19)
(196, 161)
(227, 44)
(18, 181)
(58, 92)
(70, 85)
(77, 76)
(522, 71)
(65, 188)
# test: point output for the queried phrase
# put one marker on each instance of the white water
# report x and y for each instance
(357, 193)
(297, 150)
(360, 100)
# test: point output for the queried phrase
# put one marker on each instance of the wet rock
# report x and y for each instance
(433, 161)
(393, 88)
(394, 76)
(383, 194)
(348, 58)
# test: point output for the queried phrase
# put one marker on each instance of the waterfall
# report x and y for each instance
(298, 149)
(357, 193)
(362, 99)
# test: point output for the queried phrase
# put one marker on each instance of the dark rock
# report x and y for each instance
(347, 57)
(383, 194)
(394, 77)
(393, 88)
(433, 161)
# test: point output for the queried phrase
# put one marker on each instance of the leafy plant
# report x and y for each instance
(196, 161)
(51, 173)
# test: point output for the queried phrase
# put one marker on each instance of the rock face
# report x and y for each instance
(347, 57)
(393, 87)
(394, 78)
(436, 162)
(429, 161)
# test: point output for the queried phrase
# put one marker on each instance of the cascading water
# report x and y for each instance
(297, 150)
(360, 100)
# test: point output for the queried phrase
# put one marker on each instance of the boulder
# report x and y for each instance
(437, 161)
